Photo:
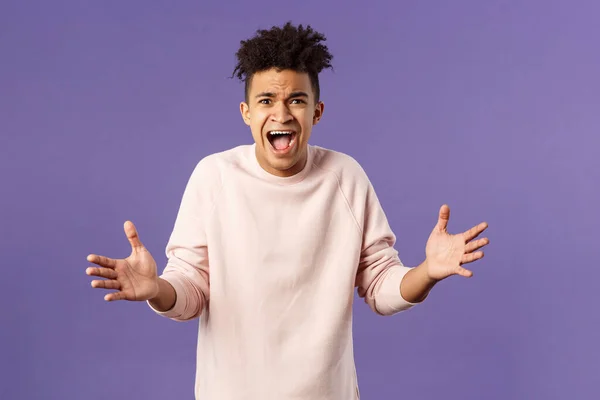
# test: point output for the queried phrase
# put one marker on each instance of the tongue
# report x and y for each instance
(281, 142)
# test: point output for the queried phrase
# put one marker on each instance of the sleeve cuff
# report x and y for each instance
(389, 299)
(176, 312)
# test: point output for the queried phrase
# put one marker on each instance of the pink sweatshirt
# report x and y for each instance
(270, 264)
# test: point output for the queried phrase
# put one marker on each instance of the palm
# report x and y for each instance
(136, 275)
(134, 278)
(446, 253)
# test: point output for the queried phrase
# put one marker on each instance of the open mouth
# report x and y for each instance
(282, 140)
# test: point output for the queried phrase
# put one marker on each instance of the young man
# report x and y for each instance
(272, 238)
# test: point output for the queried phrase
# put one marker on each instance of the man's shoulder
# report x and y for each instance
(224, 159)
(212, 167)
(343, 165)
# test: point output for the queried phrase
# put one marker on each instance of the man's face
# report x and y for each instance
(281, 112)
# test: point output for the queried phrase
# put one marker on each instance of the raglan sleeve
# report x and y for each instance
(187, 268)
(380, 270)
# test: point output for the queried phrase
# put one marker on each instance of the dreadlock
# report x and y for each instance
(295, 48)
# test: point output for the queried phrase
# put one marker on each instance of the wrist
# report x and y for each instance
(165, 297)
(425, 267)
(157, 289)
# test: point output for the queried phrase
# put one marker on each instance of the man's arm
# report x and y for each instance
(380, 271)
(416, 284)
(184, 284)
(390, 287)
(165, 299)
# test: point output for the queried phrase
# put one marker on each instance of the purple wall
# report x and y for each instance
(492, 107)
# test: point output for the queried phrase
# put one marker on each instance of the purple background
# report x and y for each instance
(492, 107)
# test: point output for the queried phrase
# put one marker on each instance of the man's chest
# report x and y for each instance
(283, 232)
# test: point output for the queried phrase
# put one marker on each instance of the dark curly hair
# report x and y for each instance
(289, 47)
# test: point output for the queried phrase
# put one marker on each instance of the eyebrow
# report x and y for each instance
(293, 94)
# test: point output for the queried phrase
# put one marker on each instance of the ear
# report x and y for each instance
(245, 111)
(318, 114)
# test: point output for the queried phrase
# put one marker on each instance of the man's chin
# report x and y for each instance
(285, 166)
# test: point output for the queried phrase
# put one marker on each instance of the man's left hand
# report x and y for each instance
(446, 253)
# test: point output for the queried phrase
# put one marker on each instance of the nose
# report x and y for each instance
(281, 114)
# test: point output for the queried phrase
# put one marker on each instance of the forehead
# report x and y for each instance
(280, 82)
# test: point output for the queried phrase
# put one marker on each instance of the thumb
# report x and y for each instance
(443, 218)
(132, 235)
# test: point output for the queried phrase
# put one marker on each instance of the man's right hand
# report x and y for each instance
(135, 277)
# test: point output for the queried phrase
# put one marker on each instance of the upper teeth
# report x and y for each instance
(281, 132)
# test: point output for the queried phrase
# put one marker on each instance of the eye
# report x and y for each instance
(298, 101)
(264, 101)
